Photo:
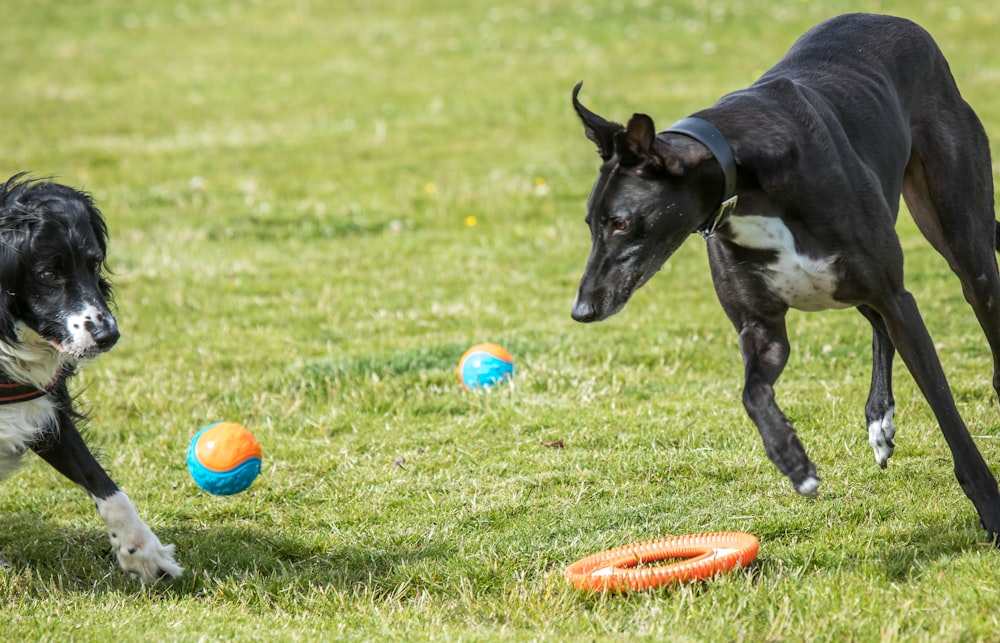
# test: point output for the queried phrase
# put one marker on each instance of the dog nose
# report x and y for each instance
(107, 338)
(583, 312)
(104, 330)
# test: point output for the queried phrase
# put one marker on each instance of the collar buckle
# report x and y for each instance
(725, 211)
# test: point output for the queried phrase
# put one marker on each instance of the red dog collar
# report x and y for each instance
(14, 392)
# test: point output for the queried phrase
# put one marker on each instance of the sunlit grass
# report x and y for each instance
(316, 207)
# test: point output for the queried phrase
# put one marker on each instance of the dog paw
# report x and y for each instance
(989, 519)
(880, 436)
(139, 551)
(808, 487)
(142, 555)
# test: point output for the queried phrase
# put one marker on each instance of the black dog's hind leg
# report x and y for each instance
(881, 405)
(138, 550)
(910, 337)
(764, 347)
(948, 187)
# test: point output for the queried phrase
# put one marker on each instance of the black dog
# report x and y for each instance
(862, 109)
(53, 314)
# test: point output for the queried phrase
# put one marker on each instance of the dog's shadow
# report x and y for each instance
(918, 549)
(216, 557)
(903, 557)
(213, 557)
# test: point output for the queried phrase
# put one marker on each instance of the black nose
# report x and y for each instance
(105, 338)
(104, 329)
(584, 312)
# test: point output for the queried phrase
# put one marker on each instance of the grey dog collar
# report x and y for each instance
(709, 136)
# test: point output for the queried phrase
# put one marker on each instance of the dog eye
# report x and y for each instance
(621, 225)
(47, 275)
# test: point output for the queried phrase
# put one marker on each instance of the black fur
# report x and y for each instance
(55, 310)
(861, 110)
(53, 257)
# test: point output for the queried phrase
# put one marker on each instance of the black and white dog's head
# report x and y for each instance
(54, 295)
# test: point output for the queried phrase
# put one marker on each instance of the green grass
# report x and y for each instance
(288, 187)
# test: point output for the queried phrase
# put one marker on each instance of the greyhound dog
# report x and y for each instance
(794, 182)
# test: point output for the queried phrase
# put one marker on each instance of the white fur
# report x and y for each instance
(81, 340)
(809, 487)
(37, 362)
(802, 282)
(19, 425)
(880, 436)
(139, 551)
(32, 360)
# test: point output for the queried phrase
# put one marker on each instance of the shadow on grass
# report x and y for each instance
(39, 558)
(220, 555)
(902, 556)
(436, 358)
(432, 359)
(226, 560)
(905, 558)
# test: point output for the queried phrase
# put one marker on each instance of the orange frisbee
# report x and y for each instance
(705, 555)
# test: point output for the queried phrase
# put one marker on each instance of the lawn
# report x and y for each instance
(315, 207)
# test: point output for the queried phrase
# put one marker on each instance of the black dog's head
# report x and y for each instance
(53, 246)
(650, 195)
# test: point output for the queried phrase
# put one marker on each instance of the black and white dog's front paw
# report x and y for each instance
(141, 554)
(139, 551)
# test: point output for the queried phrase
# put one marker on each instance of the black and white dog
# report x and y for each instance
(861, 110)
(53, 314)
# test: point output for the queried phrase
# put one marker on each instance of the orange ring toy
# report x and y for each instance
(706, 554)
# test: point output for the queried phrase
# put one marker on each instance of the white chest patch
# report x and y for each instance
(20, 424)
(802, 282)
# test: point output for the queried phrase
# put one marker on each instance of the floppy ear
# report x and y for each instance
(598, 130)
(11, 240)
(100, 229)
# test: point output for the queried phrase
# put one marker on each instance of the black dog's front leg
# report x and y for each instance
(139, 551)
(881, 406)
(764, 347)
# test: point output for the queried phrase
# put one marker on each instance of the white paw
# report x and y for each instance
(880, 437)
(809, 486)
(139, 551)
(141, 554)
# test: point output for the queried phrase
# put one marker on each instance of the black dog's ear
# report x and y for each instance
(636, 141)
(634, 147)
(598, 130)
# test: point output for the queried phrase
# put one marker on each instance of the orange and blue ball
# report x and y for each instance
(485, 365)
(224, 458)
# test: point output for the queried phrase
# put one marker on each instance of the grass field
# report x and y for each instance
(316, 207)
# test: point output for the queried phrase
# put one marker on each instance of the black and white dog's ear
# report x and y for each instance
(97, 222)
(100, 229)
(11, 266)
(598, 130)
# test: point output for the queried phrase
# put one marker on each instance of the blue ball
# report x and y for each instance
(224, 458)
(485, 365)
